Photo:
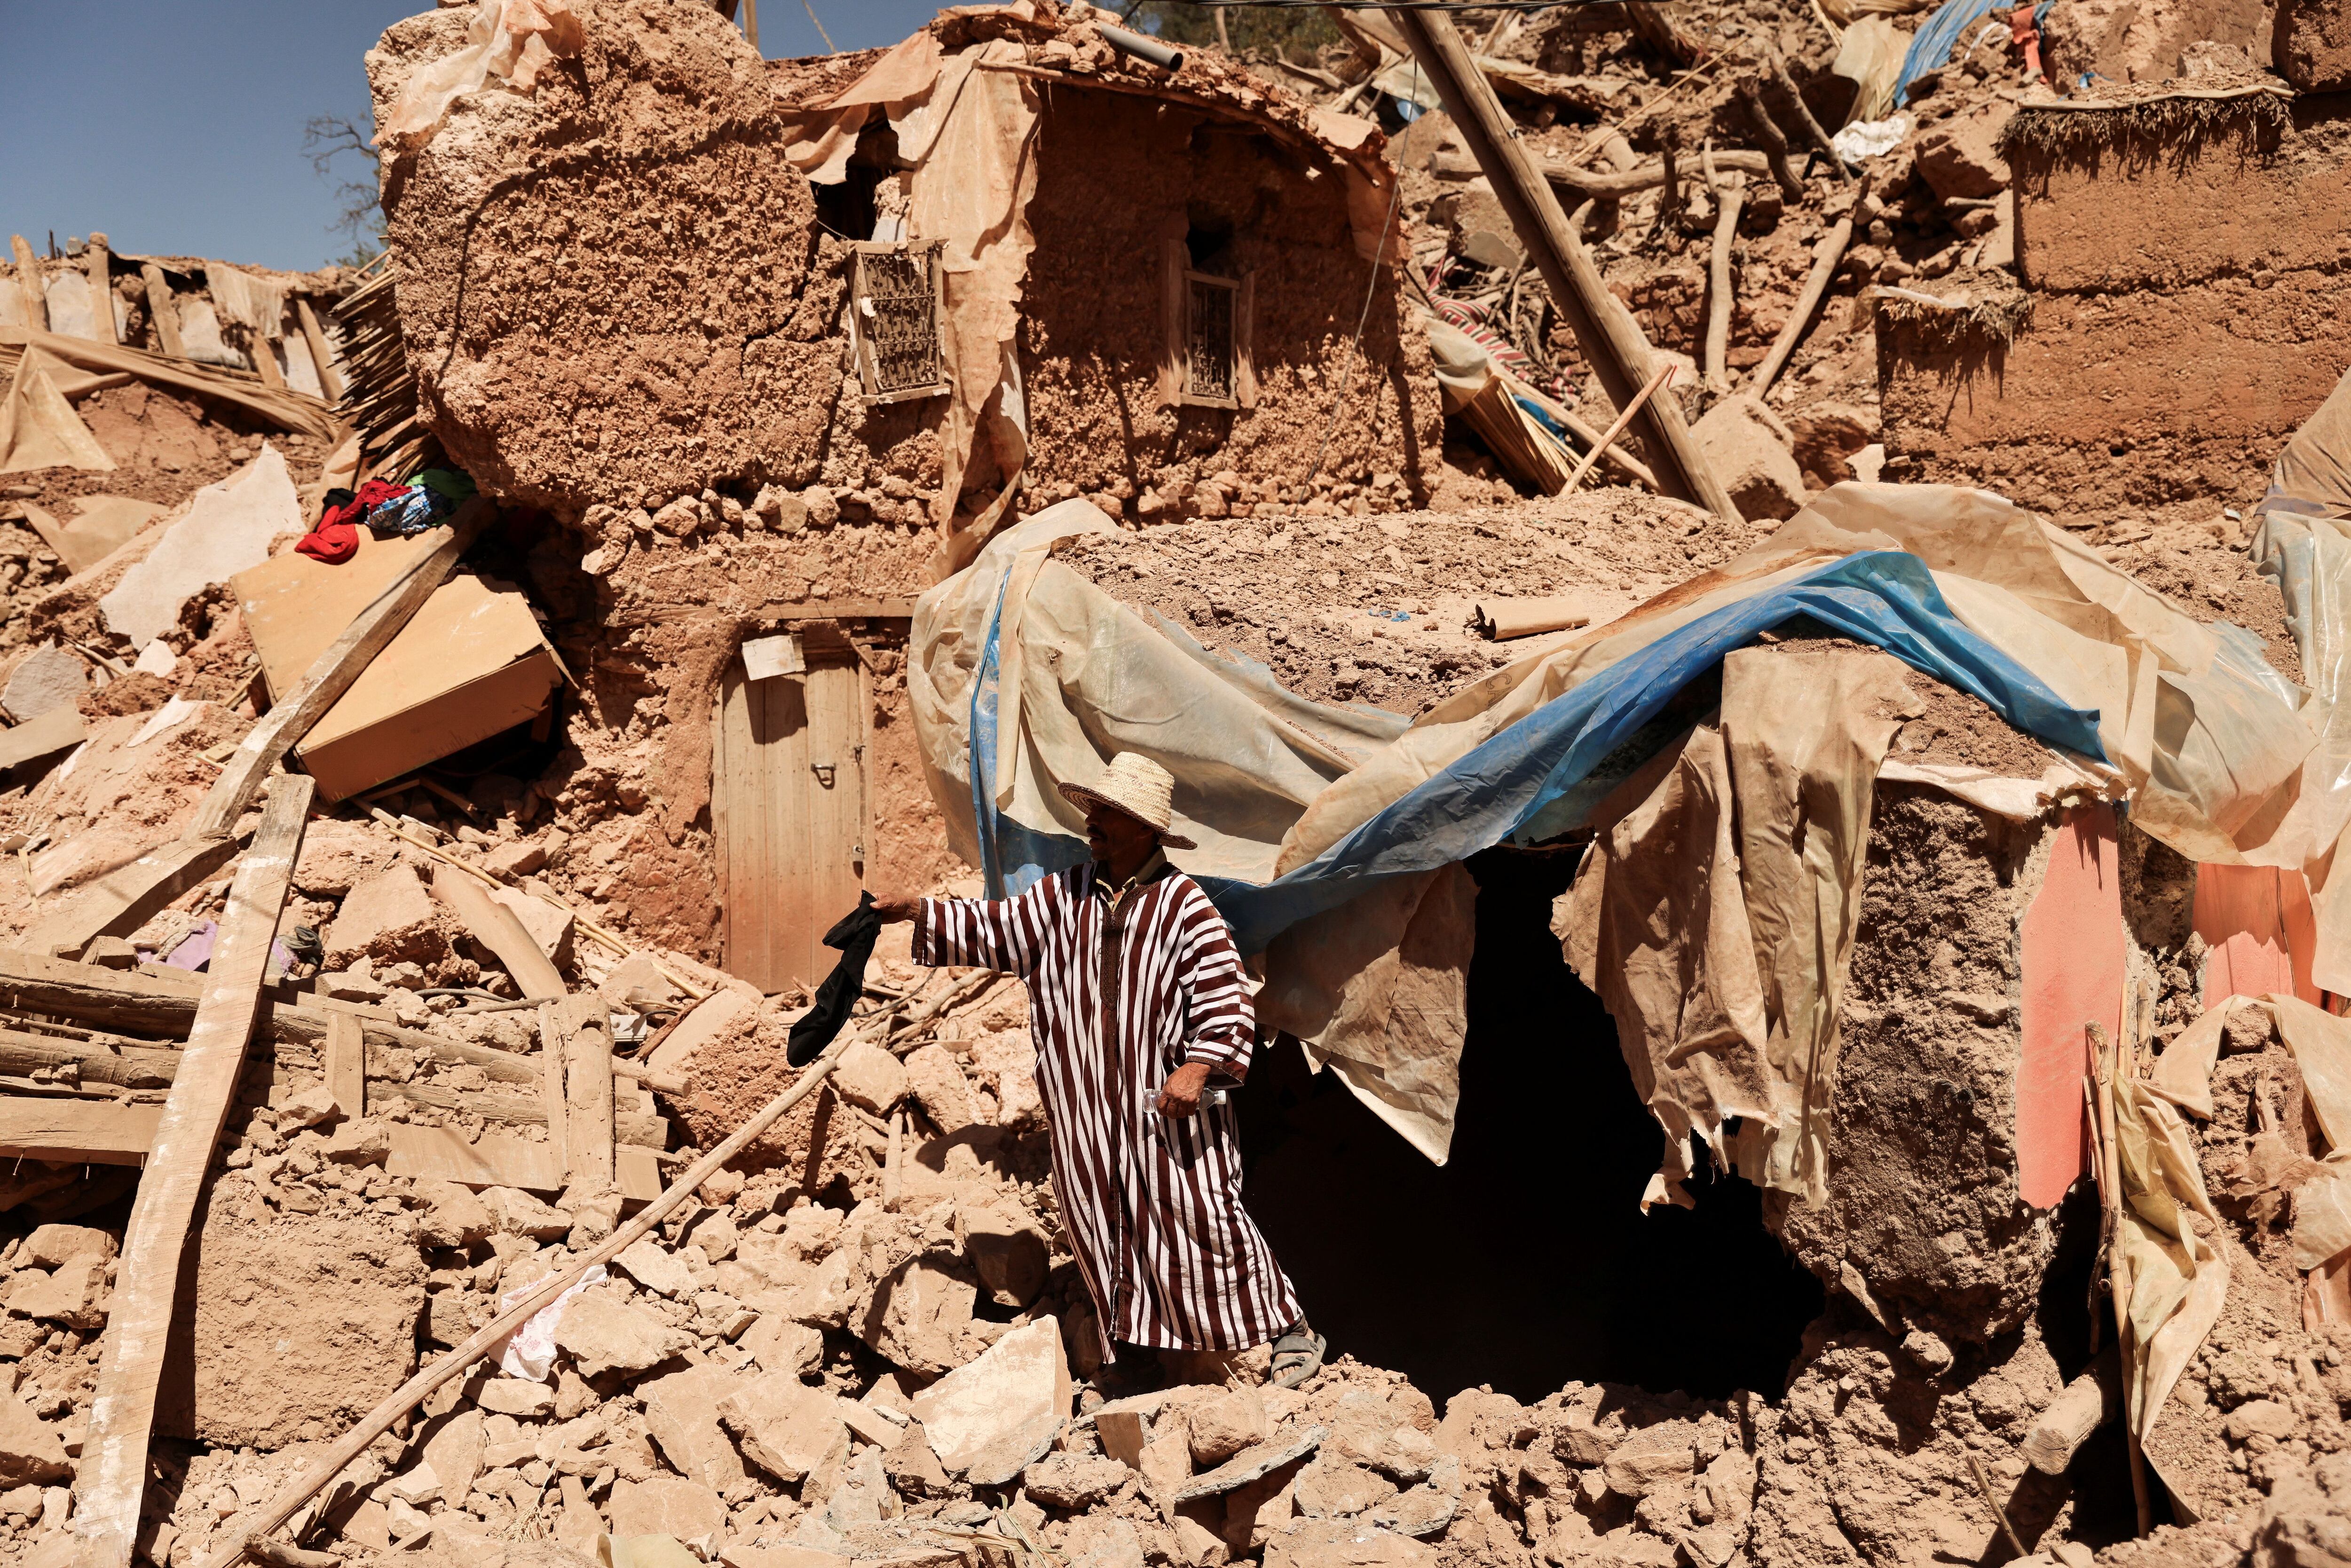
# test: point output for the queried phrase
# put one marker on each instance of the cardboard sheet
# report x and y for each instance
(471, 663)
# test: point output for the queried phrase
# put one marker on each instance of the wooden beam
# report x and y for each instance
(1610, 339)
(113, 1477)
(496, 927)
(550, 1083)
(123, 900)
(96, 259)
(290, 718)
(493, 1160)
(161, 311)
(76, 1131)
(840, 610)
(588, 1079)
(347, 1065)
(518, 1110)
(98, 1062)
(264, 361)
(322, 353)
(29, 284)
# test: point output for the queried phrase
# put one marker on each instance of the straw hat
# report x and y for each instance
(1138, 787)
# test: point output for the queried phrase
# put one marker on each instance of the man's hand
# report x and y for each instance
(1180, 1095)
(893, 907)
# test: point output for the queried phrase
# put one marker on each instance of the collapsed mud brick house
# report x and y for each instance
(1748, 1037)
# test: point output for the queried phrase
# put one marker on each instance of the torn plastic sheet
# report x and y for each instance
(529, 1351)
(1522, 784)
(509, 42)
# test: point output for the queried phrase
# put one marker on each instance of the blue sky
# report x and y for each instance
(175, 126)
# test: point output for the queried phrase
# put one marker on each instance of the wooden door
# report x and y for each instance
(789, 807)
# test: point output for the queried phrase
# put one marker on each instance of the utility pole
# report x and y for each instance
(1604, 330)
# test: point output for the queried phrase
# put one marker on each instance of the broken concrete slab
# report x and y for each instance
(784, 1426)
(604, 1334)
(1263, 1459)
(711, 1018)
(666, 1505)
(870, 1077)
(50, 1245)
(1748, 447)
(225, 529)
(918, 1316)
(682, 1414)
(991, 1419)
(71, 1293)
(48, 679)
(1010, 1254)
(1345, 1544)
(654, 1267)
(1073, 1481)
(936, 1081)
(388, 918)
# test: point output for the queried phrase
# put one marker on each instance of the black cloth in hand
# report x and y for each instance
(853, 934)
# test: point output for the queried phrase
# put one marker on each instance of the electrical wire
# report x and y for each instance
(830, 47)
(1528, 6)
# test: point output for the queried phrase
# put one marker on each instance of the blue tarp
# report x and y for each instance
(1930, 48)
(1515, 780)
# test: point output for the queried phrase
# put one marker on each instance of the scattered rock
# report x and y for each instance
(50, 1245)
(989, 1420)
(389, 917)
(667, 1505)
(870, 1077)
(786, 1427)
(1747, 446)
(1072, 1482)
(602, 1335)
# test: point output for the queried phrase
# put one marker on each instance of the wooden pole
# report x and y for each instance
(552, 1055)
(1825, 258)
(160, 310)
(322, 353)
(1729, 197)
(1775, 143)
(491, 1334)
(28, 283)
(751, 22)
(100, 267)
(1605, 334)
(1665, 373)
(1813, 127)
(122, 1414)
(333, 673)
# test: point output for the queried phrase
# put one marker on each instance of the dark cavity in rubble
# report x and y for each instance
(1524, 1262)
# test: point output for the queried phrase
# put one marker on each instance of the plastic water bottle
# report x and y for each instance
(1211, 1095)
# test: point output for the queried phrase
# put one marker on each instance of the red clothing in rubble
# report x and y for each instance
(1152, 1204)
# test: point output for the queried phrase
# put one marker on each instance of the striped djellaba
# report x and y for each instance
(1152, 1204)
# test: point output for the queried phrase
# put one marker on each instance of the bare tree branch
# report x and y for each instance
(359, 217)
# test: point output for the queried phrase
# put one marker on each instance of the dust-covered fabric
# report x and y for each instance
(1715, 911)
(1121, 994)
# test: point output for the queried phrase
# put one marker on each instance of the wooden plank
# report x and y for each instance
(495, 926)
(98, 1062)
(76, 1131)
(36, 739)
(160, 311)
(322, 353)
(493, 1160)
(347, 1065)
(631, 1126)
(113, 1475)
(29, 284)
(264, 359)
(840, 610)
(100, 268)
(588, 1134)
(331, 675)
(550, 1081)
(123, 899)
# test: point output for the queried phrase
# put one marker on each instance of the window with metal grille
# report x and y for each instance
(895, 321)
(1211, 357)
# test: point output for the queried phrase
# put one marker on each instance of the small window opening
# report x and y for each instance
(1212, 306)
(848, 207)
(895, 321)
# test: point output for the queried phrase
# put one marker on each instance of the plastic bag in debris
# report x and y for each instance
(1867, 139)
(509, 42)
(529, 1351)
(1869, 55)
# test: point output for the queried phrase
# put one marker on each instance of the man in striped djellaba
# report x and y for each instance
(1142, 1023)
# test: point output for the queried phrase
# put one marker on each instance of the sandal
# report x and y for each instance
(1297, 1356)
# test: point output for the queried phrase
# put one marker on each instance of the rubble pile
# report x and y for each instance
(627, 363)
